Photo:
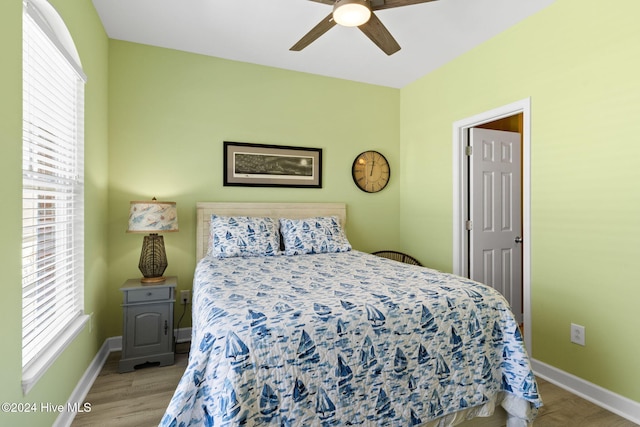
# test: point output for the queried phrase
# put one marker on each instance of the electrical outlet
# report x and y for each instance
(577, 334)
(185, 297)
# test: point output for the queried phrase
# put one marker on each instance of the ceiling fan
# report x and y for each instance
(358, 13)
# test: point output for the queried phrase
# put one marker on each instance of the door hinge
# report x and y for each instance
(469, 225)
(468, 150)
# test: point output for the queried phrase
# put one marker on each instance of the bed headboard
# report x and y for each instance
(274, 210)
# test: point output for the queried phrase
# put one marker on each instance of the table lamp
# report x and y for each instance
(152, 217)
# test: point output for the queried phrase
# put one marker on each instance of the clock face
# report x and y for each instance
(370, 171)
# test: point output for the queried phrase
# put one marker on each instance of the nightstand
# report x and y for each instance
(147, 330)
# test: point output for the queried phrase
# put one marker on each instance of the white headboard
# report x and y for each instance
(274, 210)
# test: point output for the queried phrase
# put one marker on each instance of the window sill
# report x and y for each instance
(38, 368)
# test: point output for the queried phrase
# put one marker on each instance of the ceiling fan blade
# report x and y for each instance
(381, 4)
(389, 4)
(325, 25)
(378, 33)
(329, 2)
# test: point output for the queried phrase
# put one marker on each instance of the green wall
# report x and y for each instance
(169, 113)
(579, 62)
(92, 44)
(165, 114)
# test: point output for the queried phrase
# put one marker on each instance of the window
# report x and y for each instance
(53, 190)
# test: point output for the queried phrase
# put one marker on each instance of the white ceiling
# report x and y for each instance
(262, 31)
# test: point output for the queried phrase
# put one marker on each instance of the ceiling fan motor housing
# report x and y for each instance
(351, 13)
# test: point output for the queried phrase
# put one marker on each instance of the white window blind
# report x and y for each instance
(53, 194)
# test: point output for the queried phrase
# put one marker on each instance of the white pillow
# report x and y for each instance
(313, 236)
(231, 236)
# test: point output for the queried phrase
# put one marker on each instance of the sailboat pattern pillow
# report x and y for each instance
(313, 236)
(243, 236)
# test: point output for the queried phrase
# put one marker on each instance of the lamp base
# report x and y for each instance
(153, 259)
(152, 280)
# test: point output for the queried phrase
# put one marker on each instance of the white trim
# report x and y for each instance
(595, 394)
(53, 104)
(54, 27)
(84, 385)
(182, 334)
(459, 185)
(77, 398)
(115, 344)
(44, 360)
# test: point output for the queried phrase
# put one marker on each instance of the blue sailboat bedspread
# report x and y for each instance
(345, 339)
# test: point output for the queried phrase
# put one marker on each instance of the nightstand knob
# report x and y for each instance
(149, 294)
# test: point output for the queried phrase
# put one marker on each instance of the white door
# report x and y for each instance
(495, 213)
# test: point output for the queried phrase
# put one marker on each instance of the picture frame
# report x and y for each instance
(264, 165)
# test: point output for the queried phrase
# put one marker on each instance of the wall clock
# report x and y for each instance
(370, 171)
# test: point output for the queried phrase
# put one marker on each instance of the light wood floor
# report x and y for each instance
(139, 398)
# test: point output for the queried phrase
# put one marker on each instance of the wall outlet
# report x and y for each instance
(577, 334)
(185, 297)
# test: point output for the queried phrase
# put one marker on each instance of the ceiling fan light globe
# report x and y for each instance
(351, 13)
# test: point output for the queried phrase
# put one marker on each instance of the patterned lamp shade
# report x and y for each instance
(152, 217)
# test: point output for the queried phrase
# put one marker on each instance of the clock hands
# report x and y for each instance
(373, 162)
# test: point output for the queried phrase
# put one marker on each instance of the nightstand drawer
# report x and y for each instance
(148, 294)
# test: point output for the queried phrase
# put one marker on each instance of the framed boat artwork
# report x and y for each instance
(261, 165)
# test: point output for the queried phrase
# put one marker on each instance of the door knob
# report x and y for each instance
(518, 239)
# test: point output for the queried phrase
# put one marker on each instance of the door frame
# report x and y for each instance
(460, 190)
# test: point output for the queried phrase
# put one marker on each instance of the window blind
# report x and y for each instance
(53, 192)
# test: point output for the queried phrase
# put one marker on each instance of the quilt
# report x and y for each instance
(347, 339)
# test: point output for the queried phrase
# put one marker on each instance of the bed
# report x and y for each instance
(315, 333)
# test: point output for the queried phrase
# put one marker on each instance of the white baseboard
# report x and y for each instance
(76, 400)
(595, 394)
(183, 335)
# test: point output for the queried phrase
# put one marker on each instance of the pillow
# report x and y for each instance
(313, 236)
(243, 236)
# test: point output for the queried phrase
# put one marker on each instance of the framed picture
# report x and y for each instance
(259, 165)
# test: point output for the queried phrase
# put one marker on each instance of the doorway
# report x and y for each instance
(512, 115)
(494, 216)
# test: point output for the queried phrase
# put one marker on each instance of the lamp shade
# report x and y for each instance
(351, 13)
(152, 216)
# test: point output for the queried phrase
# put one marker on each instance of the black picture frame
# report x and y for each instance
(265, 165)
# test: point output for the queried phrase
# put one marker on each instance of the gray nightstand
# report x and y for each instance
(147, 330)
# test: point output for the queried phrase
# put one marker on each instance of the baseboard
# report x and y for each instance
(76, 400)
(183, 335)
(595, 394)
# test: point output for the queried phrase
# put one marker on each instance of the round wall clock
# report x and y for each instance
(370, 171)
